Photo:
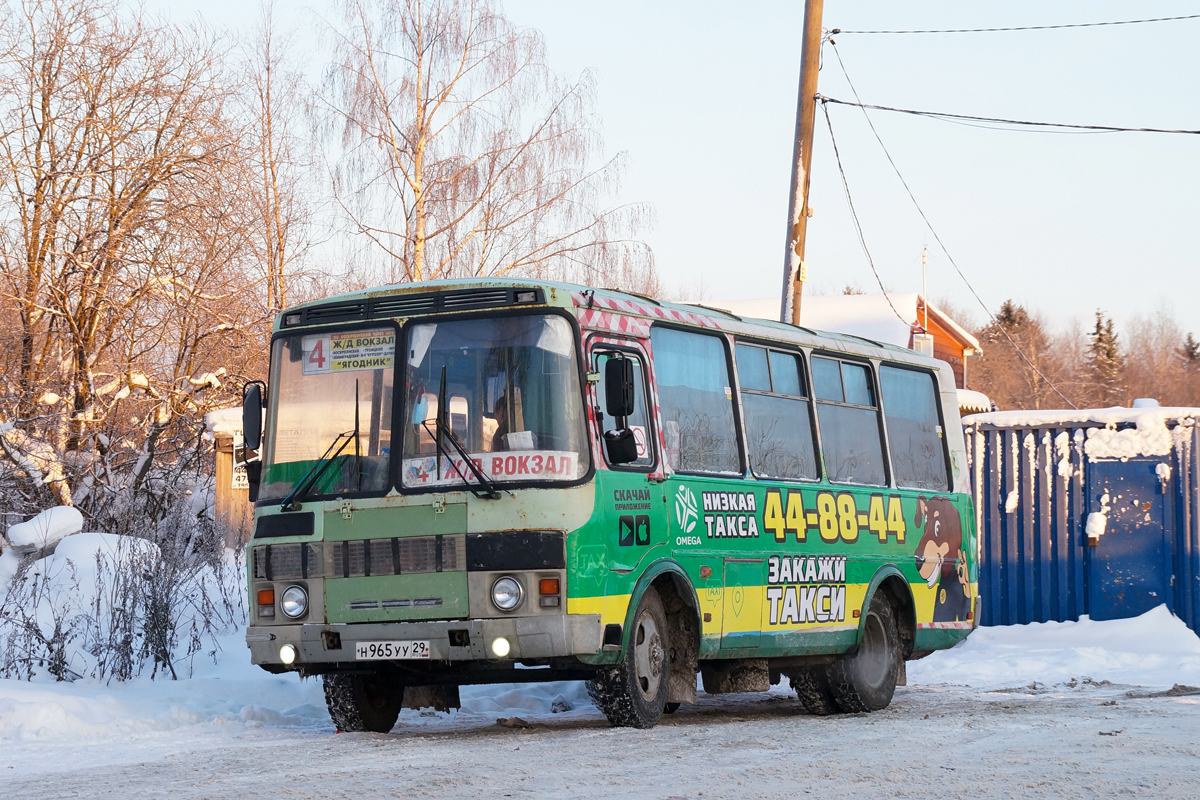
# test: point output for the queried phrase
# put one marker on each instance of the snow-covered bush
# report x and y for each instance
(111, 606)
(46, 529)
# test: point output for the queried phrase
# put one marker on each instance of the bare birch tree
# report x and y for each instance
(277, 108)
(463, 154)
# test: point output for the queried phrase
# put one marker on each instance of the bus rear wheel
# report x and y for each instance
(866, 679)
(363, 702)
(812, 688)
(633, 694)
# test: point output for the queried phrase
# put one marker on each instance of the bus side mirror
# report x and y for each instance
(252, 408)
(618, 387)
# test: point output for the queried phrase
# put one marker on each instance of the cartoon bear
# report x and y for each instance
(941, 559)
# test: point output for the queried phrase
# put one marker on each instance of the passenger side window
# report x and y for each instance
(695, 402)
(778, 425)
(848, 416)
(638, 420)
(915, 437)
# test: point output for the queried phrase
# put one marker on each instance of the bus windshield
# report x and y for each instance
(315, 380)
(513, 401)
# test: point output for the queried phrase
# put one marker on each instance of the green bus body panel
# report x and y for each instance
(373, 523)
(930, 639)
(448, 587)
(840, 543)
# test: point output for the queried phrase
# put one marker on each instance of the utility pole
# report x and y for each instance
(806, 110)
(925, 285)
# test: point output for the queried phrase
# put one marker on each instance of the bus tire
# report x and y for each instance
(633, 694)
(812, 688)
(362, 702)
(866, 679)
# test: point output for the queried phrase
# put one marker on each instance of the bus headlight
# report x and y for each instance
(507, 593)
(294, 601)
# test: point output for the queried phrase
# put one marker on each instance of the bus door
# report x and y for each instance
(636, 518)
(741, 612)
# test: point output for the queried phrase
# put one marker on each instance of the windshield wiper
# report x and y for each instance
(302, 488)
(442, 429)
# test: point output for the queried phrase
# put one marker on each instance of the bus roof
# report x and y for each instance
(614, 300)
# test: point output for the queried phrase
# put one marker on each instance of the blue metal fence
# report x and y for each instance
(1034, 488)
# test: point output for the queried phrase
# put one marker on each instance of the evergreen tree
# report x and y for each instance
(1189, 352)
(1106, 362)
(1012, 318)
(1017, 366)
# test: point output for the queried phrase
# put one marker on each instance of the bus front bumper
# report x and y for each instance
(527, 637)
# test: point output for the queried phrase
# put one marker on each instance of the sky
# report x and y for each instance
(701, 96)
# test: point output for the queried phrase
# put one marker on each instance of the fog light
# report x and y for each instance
(507, 593)
(294, 601)
(500, 647)
(287, 654)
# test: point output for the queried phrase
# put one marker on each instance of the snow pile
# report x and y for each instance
(1012, 501)
(1097, 521)
(1062, 446)
(77, 557)
(1154, 650)
(225, 421)
(1120, 433)
(972, 402)
(521, 700)
(236, 695)
(48, 527)
(1114, 416)
(1150, 437)
(230, 694)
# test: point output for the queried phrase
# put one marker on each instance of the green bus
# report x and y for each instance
(497, 481)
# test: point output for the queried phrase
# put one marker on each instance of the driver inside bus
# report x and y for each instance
(500, 417)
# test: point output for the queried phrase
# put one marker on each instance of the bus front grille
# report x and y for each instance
(360, 558)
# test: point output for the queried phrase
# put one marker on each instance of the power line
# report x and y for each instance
(952, 117)
(936, 237)
(854, 215)
(836, 31)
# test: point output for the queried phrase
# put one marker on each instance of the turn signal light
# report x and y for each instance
(266, 597)
(548, 586)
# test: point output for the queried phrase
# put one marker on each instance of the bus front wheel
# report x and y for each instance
(633, 694)
(866, 679)
(362, 702)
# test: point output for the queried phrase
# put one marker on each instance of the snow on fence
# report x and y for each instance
(1086, 512)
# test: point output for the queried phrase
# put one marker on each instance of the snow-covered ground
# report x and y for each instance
(1083, 709)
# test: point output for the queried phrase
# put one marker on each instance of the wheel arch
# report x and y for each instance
(670, 580)
(891, 581)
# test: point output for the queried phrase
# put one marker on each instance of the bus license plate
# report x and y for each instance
(388, 651)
